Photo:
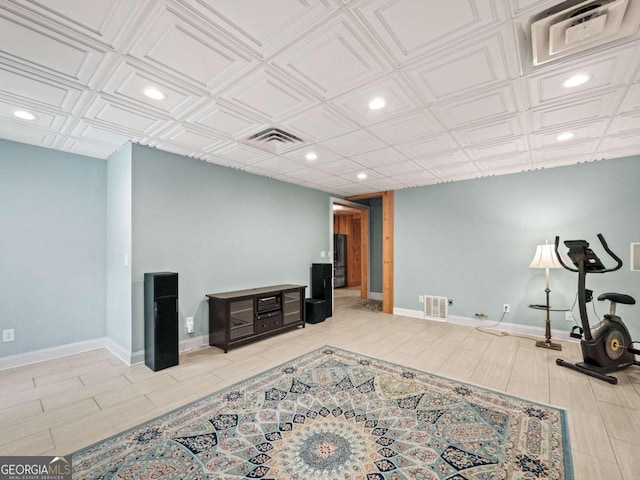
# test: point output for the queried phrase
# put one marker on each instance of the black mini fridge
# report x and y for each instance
(160, 320)
(321, 277)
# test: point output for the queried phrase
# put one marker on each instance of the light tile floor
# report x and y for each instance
(59, 406)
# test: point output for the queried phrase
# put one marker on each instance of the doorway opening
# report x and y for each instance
(354, 220)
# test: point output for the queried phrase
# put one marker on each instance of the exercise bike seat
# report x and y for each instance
(618, 298)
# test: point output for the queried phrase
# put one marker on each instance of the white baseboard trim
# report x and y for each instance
(503, 326)
(28, 358)
(193, 343)
(406, 312)
(127, 357)
(375, 296)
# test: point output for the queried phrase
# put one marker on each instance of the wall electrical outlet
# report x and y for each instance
(190, 326)
(8, 335)
(421, 298)
(450, 302)
(568, 317)
(506, 308)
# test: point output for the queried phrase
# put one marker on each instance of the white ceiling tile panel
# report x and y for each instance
(442, 78)
(428, 146)
(177, 44)
(488, 131)
(443, 160)
(319, 123)
(43, 118)
(333, 60)
(580, 133)
(190, 139)
(510, 147)
(239, 153)
(417, 179)
(407, 127)
(631, 100)
(590, 109)
(307, 174)
(127, 82)
(353, 143)
(376, 158)
(266, 95)
(26, 134)
(522, 6)
(486, 106)
(625, 124)
(505, 164)
(409, 28)
(224, 121)
(84, 129)
(400, 168)
(617, 142)
(106, 22)
(33, 90)
(47, 50)
(323, 155)
(581, 150)
(393, 90)
(279, 165)
(112, 114)
(264, 25)
(339, 167)
(607, 70)
(83, 146)
(457, 103)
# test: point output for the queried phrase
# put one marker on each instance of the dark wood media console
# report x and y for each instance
(240, 317)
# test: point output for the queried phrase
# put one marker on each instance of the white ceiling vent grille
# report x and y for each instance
(574, 26)
(274, 136)
(435, 308)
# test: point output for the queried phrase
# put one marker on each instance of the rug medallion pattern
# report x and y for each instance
(334, 414)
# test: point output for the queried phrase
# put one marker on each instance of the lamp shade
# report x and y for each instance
(545, 257)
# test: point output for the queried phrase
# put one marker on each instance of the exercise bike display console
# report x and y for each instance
(606, 347)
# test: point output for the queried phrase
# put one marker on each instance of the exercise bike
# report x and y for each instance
(606, 347)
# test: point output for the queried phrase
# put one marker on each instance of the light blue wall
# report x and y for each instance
(220, 229)
(52, 247)
(118, 258)
(473, 241)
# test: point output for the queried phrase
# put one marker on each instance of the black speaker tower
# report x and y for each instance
(160, 320)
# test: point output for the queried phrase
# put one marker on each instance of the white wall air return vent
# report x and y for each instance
(575, 26)
(435, 308)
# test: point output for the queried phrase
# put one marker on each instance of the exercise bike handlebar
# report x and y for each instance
(557, 243)
(606, 248)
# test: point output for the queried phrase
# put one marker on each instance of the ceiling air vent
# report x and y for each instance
(574, 26)
(274, 137)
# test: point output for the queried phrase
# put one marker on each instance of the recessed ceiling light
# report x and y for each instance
(154, 93)
(377, 103)
(24, 115)
(362, 176)
(565, 136)
(311, 156)
(576, 80)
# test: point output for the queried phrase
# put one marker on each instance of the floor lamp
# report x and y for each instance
(545, 257)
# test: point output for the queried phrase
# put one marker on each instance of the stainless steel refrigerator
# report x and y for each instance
(339, 260)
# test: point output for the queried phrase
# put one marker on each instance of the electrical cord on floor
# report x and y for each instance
(498, 334)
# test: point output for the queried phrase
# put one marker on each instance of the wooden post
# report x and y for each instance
(387, 252)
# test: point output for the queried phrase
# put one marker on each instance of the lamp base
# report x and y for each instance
(548, 344)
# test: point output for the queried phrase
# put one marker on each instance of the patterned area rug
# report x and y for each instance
(368, 305)
(334, 414)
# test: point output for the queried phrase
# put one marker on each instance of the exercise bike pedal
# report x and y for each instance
(576, 332)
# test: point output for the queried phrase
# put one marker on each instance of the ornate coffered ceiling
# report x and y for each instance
(458, 102)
